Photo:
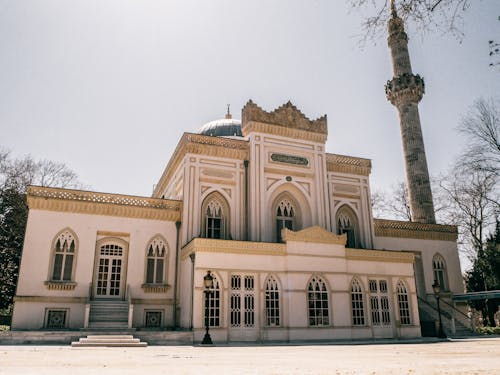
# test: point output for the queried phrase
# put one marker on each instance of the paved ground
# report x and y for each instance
(480, 356)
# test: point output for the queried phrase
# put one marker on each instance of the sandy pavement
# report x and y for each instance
(481, 356)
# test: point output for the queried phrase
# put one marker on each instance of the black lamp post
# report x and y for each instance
(437, 289)
(208, 282)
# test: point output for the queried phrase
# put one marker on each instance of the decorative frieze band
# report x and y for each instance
(348, 164)
(407, 229)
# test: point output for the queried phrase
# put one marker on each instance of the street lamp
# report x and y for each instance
(208, 282)
(437, 289)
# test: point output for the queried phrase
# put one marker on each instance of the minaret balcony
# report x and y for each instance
(406, 88)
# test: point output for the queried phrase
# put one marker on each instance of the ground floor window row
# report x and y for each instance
(243, 293)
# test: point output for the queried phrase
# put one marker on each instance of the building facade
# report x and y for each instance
(285, 228)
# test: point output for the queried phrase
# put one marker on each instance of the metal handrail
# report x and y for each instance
(447, 313)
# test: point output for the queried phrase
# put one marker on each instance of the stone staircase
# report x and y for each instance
(452, 327)
(109, 341)
(108, 314)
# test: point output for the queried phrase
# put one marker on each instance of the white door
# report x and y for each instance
(242, 308)
(108, 281)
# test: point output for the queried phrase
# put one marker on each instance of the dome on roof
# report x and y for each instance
(226, 127)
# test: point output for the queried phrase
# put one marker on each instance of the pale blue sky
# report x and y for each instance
(108, 87)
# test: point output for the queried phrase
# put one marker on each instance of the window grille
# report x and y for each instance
(379, 302)
(214, 304)
(56, 319)
(285, 217)
(318, 302)
(403, 304)
(155, 262)
(358, 313)
(439, 268)
(272, 302)
(153, 319)
(214, 220)
(64, 254)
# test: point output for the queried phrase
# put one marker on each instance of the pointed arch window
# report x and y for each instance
(317, 298)
(358, 309)
(285, 217)
(214, 304)
(156, 261)
(272, 302)
(64, 257)
(347, 223)
(215, 217)
(403, 304)
(439, 269)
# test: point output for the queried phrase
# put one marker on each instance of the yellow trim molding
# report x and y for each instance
(314, 234)
(90, 202)
(51, 299)
(379, 256)
(232, 247)
(421, 231)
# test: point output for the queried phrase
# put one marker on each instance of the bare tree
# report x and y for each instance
(394, 204)
(481, 127)
(426, 15)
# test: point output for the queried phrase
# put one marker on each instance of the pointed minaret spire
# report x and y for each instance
(405, 91)
(228, 114)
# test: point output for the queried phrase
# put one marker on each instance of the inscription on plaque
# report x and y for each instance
(289, 159)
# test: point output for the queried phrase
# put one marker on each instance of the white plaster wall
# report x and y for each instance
(43, 226)
(428, 248)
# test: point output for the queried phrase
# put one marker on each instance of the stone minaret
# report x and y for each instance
(404, 91)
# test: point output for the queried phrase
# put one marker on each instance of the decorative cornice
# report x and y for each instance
(232, 247)
(379, 256)
(108, 233)
(314, 234)
(202, 145)
(152, 301)
(60, 285)
(286, 121)
(51, 299)
(404, 89)
(408, 229)
(348, 164)
(89, 202)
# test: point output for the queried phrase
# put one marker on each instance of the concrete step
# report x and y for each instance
(109, 341)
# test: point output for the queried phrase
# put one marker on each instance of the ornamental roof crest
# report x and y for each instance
(287, 115)
(315, 234)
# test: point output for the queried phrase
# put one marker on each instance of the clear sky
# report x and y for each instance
(108, 87)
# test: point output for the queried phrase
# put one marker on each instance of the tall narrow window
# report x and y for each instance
(214, 226)
(272, 302)
(285, 217)
(317, 296)
(358, 312)
(214, 304)
(379, 302)
(403, 304)
(155, 261)
(439, 268)
(215, 215)
(347, 223)
(64, 256)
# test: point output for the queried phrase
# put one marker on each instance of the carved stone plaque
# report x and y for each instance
(289, 159)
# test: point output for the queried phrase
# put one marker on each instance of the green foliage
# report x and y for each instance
(4, 328)
(489, 330)
(485, 275)
(13, 216)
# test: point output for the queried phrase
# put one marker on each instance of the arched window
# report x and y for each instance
(358, 310)
(403, 304)
(64, 256)
(379, 302)
(285, 217)
(272, 302)
(439, 268)
(317, 298)
(215, 216)
(347, 223)
(155, 261)
(214, 304)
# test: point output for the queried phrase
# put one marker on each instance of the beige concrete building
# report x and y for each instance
(285, 227)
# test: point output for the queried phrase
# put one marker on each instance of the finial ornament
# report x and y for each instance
(228, 114)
